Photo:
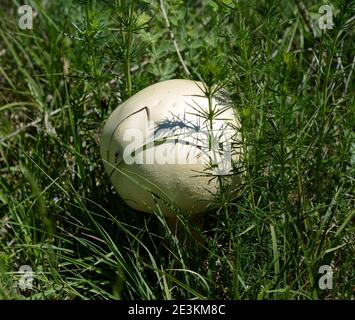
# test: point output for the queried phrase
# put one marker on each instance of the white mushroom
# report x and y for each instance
(158, 147)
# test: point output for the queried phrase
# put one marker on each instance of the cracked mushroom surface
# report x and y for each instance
(159, 148)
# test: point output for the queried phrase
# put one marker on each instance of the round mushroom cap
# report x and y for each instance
(160, 149)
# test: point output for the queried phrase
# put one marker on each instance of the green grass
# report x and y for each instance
(294, 91)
